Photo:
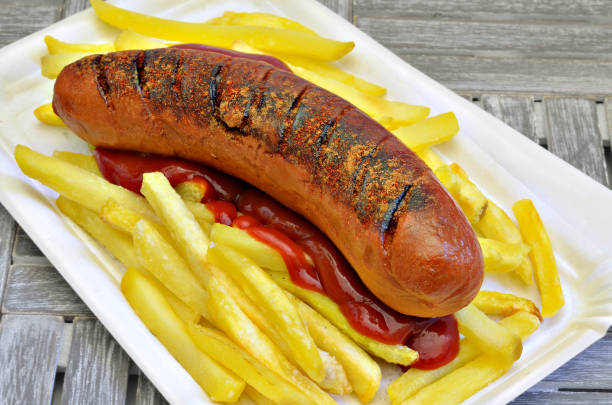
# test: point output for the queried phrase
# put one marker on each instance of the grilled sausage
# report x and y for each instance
(308, 148)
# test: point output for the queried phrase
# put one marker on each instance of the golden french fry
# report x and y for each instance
(159, 257)
(306, 385)
(256, 397)
(271, 299)
(501, 257)
(333, 72)
(430, 158)
(55, 46)
(200, 212)
(46, 115)
(502, 304)
(428, 132)
(401, 113)
(86, 162)
(268, 39)
(128, 40)
(52, 65)
(116, 242)
(259, 19)
(468, 196)
(155, 312)
(542, 256)
(190, 191)
(77, 184)
(240, 240)
(221, 349)
(397, 354)
(520, 323)
(496, 224)
(363, 373)
(491, 337)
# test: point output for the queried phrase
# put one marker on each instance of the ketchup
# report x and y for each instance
(436, 339)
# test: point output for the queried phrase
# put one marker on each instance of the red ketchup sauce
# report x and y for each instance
(261, 58)
(436, 339)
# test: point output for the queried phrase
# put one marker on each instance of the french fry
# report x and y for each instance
(397, 354)
(503, 304)
(155, 312)
(468, 196)
(521, 323)
(224, 312)
(333, 383)
(259, 19)
(52, 65)
(333, 72)
(127, 40)
(256, 397)
(496, 224)
(77, 184)
(240, 240)
(268, 39)
(221, 349)
(190, 191)
(271, 299)
(490, 337)
(85, 162)
(363, 373)
(428, 132)
(430, 158)
(165, 264)
(501, 257)
(542, 256)
(200, 212)
(116, 242)
(55, 46)
(46, 115)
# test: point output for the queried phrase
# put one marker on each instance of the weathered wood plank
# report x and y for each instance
(29, 347)
(564, 397)
(21, 18)
(573, 135)
(40, 289)
(559, 10)
(146, 394)
(7, 236)
(608, 116)
(472, 73)
(344, 8)
(25, 251)
(516, 111)
(70, 7)
(97, 370)
(510, 39)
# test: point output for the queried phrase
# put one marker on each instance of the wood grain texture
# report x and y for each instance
(29, 347)
(7, 236)
(70, 7)
(344, 8)
(573, 135)
(146, 394)
(40, 289)
(21, 18)
(516, 111)
(97, 370)
(25, 250)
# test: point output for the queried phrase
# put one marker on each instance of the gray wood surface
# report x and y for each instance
(97, 370)
(513, 57)
(29, 348)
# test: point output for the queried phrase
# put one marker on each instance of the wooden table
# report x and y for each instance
(543, 67)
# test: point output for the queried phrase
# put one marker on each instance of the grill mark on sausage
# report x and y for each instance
(365, 160)
(291, 114)
(328, 130)
(213, 85)
(255, 98)
(389, 223)
(101, 82)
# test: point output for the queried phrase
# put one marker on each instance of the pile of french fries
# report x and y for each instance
(222, 302)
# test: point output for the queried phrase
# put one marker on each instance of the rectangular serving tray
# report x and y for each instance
(505, 165)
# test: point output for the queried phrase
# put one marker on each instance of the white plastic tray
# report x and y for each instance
(507, 166)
